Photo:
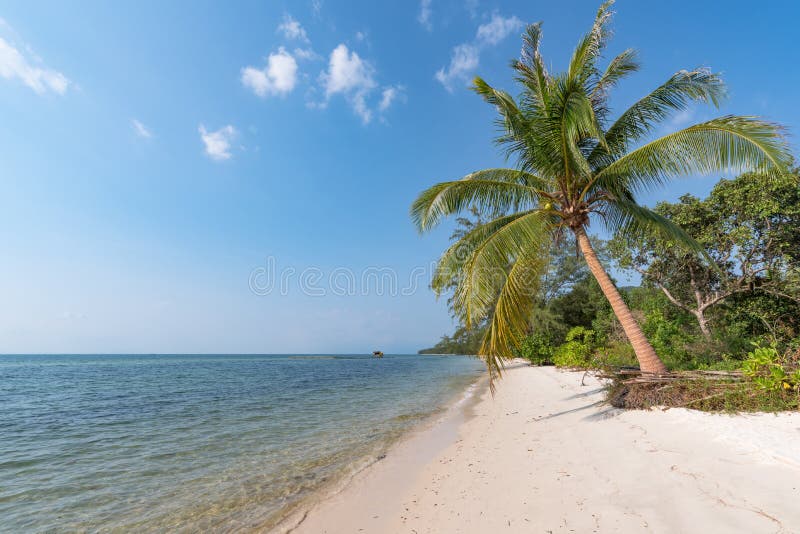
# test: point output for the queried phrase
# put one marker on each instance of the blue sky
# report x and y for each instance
(157, 160)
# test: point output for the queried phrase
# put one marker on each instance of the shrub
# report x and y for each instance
(669, 339)
(615, 355)
(537, 348)
(577, 351)
(766, 367)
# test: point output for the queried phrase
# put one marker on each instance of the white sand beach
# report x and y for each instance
(546, 455)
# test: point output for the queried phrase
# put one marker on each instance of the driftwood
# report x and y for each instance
(634, 376)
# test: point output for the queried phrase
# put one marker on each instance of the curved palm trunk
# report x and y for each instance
(649, 362)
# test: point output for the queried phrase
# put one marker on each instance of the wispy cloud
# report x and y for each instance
(140, 129)
(389, 95)
(291, 29)
(218, 143)
(350, 76)
(278, 77)
(15, 64)
(464, 60)
(305, 53)
(466, 56)
(425, 17)
(498, 29)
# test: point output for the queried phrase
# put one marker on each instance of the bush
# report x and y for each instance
(669, 339)
(538, 349)
(615, 355)
(577, 351)
(766, 367)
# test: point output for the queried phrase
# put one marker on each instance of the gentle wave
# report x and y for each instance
(197, 442)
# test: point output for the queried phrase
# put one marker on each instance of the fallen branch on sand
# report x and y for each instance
(715, 391)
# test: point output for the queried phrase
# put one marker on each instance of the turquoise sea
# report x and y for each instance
(199, 442)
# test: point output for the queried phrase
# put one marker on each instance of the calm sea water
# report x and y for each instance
(177, 442)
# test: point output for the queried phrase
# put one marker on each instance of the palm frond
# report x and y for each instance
(530, 66)
(570, 118)
(513, 119)
(489, 196)
(626, 217)
(730, 143)
(485, 268)
(582, 65)
(450, 266)
(621, 66)
(676, 94)
(512, 309)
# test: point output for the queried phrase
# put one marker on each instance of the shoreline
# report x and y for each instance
(435, 432)
(545, 454)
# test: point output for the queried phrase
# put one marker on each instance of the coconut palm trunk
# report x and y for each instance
(649, 361)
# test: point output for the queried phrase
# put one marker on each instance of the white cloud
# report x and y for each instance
(463, 61)
(277, 78)
(218, 143)
(351, 76)
(498, 29)
(291, 29)
(425, 14)
(388, 96)
(305, 53)
(466, 56)
(360, 36)
(14, 64)
(140, 129)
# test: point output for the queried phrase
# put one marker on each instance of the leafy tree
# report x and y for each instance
(574, 164)
(750, 229)
(566, 269)
(756, 317)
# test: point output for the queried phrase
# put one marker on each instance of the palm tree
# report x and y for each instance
(574, 165)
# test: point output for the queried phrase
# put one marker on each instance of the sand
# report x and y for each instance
(546, 455)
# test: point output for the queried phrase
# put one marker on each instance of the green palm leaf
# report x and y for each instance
(508, 322)
(619, 67)
(531, 70)
(450, 266)
(676, 94)
(486, 266)
(492, 190)
(731, 143)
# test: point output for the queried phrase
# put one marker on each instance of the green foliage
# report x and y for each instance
(765, 367)
(577, 351)
(668, 337)
(537, 348)
(614, 355)
(581, 304)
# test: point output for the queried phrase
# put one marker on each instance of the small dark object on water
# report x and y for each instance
(377, 354)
